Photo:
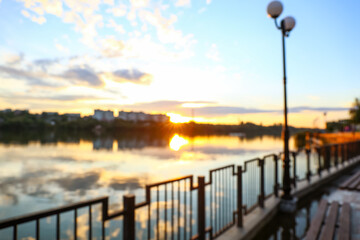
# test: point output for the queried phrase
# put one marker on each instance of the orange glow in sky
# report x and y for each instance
(177, 118)
(311, 119)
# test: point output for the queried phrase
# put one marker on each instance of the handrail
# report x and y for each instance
(226, 190)
(46, 213)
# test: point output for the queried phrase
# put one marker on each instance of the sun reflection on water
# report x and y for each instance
(177, 142)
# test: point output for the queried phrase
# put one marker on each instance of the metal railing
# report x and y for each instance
(179, 209)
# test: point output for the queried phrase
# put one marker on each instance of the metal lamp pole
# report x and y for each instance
(274, 9)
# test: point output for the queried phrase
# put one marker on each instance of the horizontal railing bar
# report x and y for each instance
(47, 213)
(268, 196)
(251, 160)
(270, 155)
(231, 166)
(248, 162)
(115, 214)
(221, 168)
(142, 204)
(250, 209)
(169, 181)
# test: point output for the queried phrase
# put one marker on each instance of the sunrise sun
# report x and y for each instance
(177, 118)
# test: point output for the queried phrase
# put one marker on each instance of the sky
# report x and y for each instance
(217, 61)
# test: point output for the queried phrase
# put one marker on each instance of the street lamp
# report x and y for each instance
(274, 10)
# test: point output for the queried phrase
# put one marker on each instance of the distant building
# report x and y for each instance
(50, 113)
(20, 112)
(132, 117)
(8, 110)
(160, 118)
(103, 115)
(50, 117)
(72, 116)
(122, 115)
(142, 117)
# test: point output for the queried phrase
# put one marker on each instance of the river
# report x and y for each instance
(40, 174)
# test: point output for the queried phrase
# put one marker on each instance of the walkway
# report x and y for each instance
(260, 218)
(353, 197)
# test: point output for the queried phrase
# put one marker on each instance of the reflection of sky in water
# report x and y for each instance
(40, 176)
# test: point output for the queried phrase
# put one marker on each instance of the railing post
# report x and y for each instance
(201, 208)
(239, 197)
(336, 155)
(294, 169)
(261, 197)
(352, 153)
(342, 153)
(129, 217)
(325, 151)
(319, 161)
(346, 152)
(276, 184)
(105, 210)
(308, 167)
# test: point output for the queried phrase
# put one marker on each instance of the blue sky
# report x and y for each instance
(221, 58)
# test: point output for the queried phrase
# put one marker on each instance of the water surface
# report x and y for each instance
(38, 174)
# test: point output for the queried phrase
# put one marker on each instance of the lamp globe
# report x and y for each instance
(274, 9)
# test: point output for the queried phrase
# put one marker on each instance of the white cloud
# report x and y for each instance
(61, 48)
(183, 3)
(39, 19)
(86, 8)
(111, 47)
(25, 13)
(208, 1)
(131, 15)
(73, 17)
(140, 14)
(40, 7)
(213, 53)
(118, 11)
(139, 3)
(166, 33)
(81, 14)
(130, 75)
(117, 27)
(109, 2)
(12, 59)
(144, 28)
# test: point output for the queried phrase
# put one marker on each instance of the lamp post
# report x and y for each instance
(274, 9)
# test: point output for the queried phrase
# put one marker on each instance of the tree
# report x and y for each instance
(355, 111)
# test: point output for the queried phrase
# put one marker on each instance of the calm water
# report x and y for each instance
(40, 174)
